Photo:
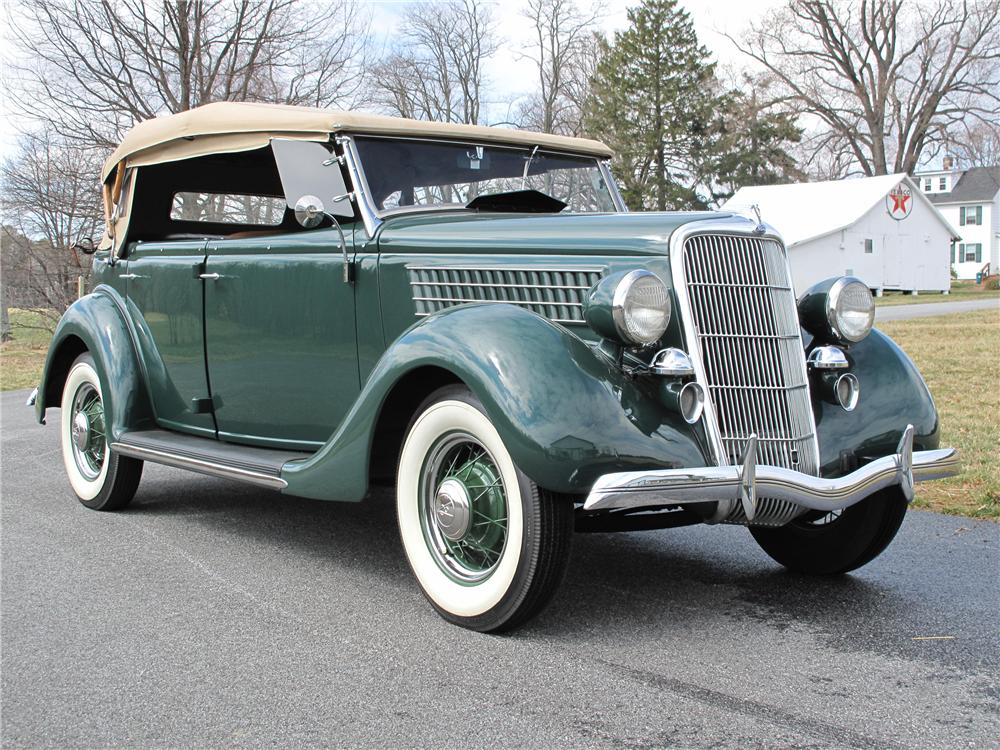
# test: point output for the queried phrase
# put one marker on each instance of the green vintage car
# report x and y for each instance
(319, 302)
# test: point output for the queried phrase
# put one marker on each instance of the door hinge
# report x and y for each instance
(202, 405)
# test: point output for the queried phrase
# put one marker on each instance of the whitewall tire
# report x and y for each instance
(101, 479)
(487, 547)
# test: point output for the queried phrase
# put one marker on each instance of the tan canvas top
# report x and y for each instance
(240, 126)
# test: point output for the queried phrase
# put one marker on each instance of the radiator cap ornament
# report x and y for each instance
(760, 228)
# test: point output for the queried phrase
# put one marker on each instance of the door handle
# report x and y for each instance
(209, 276)
(132, 276)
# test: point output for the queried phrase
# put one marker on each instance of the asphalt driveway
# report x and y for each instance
(213, 614)
(929, 309)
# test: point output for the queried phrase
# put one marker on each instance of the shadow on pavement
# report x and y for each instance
(623, 583)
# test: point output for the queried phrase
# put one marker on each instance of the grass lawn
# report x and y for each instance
(21, 360)
(957, 355)
(960, 291)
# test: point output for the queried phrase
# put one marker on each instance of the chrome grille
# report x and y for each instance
(554, 293)
(747, 331)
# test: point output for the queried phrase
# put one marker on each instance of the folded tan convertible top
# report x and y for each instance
(240, 126)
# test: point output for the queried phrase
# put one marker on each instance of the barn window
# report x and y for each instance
(869, 245)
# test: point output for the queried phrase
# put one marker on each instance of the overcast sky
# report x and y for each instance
(510, 75)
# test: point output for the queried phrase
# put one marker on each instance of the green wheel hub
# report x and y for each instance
(87, 431)
(463, 508)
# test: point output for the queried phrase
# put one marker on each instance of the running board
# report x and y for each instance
(257, 466)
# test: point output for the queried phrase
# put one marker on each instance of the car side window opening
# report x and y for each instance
(218, 196)
(228, 208)
(406, 173)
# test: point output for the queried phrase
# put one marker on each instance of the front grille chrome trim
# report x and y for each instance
(757, 291)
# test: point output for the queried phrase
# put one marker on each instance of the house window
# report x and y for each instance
(970, 252)
(869, 245)
(970, 215)
(928, 185)
(943, 183)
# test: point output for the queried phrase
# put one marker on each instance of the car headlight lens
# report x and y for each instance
(631, 307)
(850, 309)
(838, 310)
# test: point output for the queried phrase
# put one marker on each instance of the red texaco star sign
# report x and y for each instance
(899, 202)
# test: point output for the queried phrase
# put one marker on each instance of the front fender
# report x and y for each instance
(565, 413)
(96, 323)
(893, 394)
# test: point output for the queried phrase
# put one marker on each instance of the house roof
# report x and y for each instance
(976, 185)
(241, 126)
(808, 210)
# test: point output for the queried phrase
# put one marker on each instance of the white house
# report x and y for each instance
(881, 229)
(970, 200)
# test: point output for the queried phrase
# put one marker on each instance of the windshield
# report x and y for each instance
(403, 173)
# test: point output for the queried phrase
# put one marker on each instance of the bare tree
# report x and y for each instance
(977, 145)
(92, 68)
(49, 203)
(887, 79)
(563, 49)
(436, 73)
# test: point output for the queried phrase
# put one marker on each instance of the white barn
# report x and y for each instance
(883, 230)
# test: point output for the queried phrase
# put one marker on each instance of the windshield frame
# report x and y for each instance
(374, 216)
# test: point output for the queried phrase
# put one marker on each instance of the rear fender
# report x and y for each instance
(97, 324)
(565, 413)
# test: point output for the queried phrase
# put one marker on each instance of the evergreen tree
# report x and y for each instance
(752, 141)
(654, 101)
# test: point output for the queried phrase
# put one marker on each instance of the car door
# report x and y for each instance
(165, 299)
(281, 338)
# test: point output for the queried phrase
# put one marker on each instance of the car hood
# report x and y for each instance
(466, 232)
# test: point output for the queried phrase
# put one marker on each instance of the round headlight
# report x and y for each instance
(641, 308)
(630, 307)
(850, 309)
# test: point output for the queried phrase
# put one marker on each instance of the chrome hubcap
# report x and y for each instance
(81, 431)
(453, 509)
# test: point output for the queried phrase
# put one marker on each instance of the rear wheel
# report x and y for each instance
(101, 479)
(487, 546)
(837, 542)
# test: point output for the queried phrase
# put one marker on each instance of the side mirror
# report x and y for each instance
(85, 245)
(309, 211)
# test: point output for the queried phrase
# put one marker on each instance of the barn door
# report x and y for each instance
(892, 262)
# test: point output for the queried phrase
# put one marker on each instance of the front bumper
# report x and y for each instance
(746, 482)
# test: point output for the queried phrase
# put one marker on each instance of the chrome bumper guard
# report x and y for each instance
(747, 482)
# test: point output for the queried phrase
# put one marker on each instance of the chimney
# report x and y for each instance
(947, 163)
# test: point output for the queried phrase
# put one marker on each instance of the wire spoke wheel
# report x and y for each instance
(87, 431)
(463, 508)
